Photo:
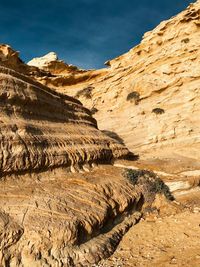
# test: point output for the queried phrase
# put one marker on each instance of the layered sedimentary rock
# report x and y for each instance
(10, 58)
(41, 129)
(48, 216)
(147, 99)
(61, 219)
(152, 91)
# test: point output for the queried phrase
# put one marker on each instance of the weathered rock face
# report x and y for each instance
(160, 73)
(41, 129)
(49, 216)
(43, 62)
(52, 217)
(10, 57)
(152, 91)
(53, 65)
(62, 219)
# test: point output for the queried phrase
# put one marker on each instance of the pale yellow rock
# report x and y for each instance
(43, 62)
(163, 73)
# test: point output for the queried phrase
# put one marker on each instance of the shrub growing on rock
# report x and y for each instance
(94, 110)
(86, 92)
(152, 184)
(133, 96)
(158, 111)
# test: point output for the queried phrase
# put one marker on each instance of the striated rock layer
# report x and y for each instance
(49, 216)
(41, 129)
(62, 219)
(52, 217)
(152, 91)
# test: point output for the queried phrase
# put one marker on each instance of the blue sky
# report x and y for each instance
(82, 32)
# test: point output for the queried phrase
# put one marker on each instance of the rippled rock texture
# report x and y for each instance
(48, 217)
(56, 207)
(63, 219)
(41, 129)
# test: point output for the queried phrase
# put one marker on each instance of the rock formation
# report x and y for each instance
(60, 219)
(51, 64)
(57, 208)
(48, 215)
(46, 212)
(39, 128)
(151, 91)
(43, 62)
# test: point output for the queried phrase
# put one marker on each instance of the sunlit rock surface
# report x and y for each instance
(152, 91)
(57, 208)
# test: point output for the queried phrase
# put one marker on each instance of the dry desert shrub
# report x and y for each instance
(158, 111)
(85, 92)
(133, 96)
(152, 184)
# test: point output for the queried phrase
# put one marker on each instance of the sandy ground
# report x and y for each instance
(168, 238)
(170, 241)
(162, 241)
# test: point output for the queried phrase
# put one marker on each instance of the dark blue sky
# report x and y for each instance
(82, 32)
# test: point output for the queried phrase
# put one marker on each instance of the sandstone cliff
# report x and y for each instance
(152, 91)
(48, 216)
(42, 129)
(57, 208)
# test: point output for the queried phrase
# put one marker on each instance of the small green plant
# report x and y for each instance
(133, 96)
(86, 92)
(158, 111)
